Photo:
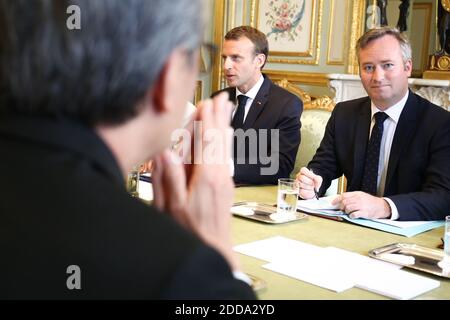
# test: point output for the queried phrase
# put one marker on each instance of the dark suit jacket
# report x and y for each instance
(273, 108)
(63, 202)
(418, 177)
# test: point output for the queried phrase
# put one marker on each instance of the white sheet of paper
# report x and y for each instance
(354, 262)
(397, 284)
(380, 277)
(322, 203)
(278, 249)
(336, 269)
(319, 272)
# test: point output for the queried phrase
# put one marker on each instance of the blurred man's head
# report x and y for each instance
(244, 54)
(385, 65)
(127, 72)
(100, 74)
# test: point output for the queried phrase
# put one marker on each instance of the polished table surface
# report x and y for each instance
(320, 232)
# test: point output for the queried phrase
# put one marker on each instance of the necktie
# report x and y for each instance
(370, 177)
(238, 119)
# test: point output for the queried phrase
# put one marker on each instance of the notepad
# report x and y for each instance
(323, 203)
(324, 207)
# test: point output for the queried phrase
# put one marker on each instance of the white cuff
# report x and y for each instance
(394, 211)
(239, 275)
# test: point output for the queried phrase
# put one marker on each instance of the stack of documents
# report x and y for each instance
(324, 207)
(319, 266)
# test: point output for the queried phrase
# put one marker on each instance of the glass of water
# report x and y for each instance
(447, 240)
(445, 262)
(287, 196)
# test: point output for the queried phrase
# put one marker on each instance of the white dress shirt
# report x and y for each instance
(251, 94)
(389, 126)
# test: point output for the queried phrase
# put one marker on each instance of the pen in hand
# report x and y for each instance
(316, 194)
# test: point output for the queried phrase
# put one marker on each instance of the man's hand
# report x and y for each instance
(199, 196)
(308, 181)
(359, 204)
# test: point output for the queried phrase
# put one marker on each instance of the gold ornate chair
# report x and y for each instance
(316, 113)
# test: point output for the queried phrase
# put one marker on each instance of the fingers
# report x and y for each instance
(157, 184)
(353, 203)
(307, 173)
(356, 214)
(347, 202)
(308, 181)
(316, 180)
(169, 185)
(215, 134)
(305, 179)
(174, 177)
(337, 200)
(223, 109)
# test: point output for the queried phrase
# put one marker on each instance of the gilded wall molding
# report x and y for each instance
(219, 11)
(307, 78)
(253, 9)
(357, 29)
(198, 91)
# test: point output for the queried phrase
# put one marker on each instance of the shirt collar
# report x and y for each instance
(253, 91)
(394, 111)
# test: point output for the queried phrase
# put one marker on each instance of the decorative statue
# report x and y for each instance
(444, 26)
(382, 4)
(402, 24)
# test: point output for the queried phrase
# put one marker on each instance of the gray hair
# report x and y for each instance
(99, 73)
(377, 33)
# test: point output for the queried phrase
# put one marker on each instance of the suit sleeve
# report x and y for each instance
(206, 275)
(283, 149)
(289, 137)
(324, 162)
(432, 202)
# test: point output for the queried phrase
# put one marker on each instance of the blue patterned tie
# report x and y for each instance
(238, 119)
(370, 177)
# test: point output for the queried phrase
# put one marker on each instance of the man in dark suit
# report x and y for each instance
(393, 146)
(79, 108)
(266, 121)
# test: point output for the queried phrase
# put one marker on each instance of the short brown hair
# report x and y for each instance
(258, 39)
(376, 33)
